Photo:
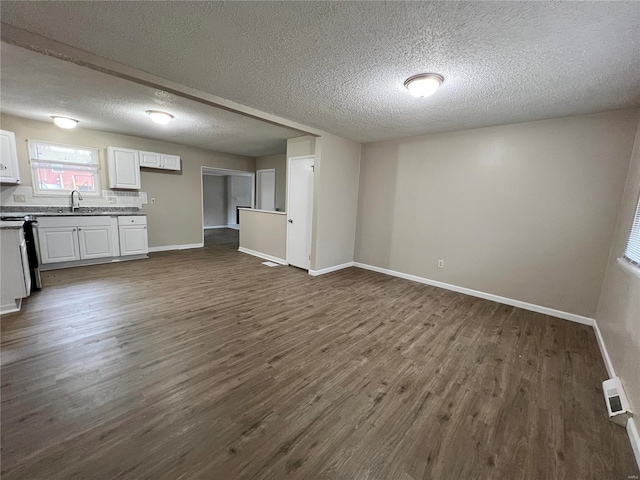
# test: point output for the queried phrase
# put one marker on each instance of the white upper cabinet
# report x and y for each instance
(123, 172)
(150, 159)
(162, 161)
(9, 172)
(170, 162)
(124, 168)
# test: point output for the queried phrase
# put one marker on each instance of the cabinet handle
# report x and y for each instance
(132, 221)
(79, 229)
(145, 228)
(74, 229)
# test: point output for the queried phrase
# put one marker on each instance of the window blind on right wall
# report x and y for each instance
(632, 252)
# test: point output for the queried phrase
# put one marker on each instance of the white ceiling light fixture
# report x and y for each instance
(65, 122)
(161, 118)
(423, 84)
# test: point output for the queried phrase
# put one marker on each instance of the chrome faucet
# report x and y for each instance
(74, 207)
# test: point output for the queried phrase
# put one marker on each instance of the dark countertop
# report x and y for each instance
(65, 211)
(83, 214)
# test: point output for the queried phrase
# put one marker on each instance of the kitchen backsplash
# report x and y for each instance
(11, 196)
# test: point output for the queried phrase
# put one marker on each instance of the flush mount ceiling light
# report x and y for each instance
(161, 118)
(64, 122)
(423, 84)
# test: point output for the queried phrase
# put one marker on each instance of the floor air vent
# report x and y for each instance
(616, 401)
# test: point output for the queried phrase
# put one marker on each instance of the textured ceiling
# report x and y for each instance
(340, 66)
(37, 86)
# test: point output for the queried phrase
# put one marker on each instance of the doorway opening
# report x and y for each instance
(224, 192)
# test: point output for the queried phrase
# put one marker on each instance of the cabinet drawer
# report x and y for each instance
(132, 220)
(73, 221)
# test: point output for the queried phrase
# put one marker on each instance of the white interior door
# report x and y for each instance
(299, 211)
(266, 185)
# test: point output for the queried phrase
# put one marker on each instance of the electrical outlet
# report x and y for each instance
(440, 263)
(153, 201)
(17, 197)
(112, 200)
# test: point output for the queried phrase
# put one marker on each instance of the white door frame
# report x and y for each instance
(258, 172)
(223, 172)
(301, 157)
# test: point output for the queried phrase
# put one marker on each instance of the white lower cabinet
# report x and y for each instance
(133, 235)
(58, 244)
(83, 239)
(95, 242)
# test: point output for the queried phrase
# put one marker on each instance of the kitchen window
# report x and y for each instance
(632, 250)
(59, 169)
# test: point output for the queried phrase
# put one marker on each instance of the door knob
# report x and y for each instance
(290, 221)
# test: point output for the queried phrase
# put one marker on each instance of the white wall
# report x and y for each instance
(335, 201)
(279, 163)
(301, 146)
(264, 232)
(214, 200)
(618, 314)
(239, 193)
(521, 211)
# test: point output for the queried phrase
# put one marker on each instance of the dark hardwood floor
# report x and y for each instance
(205, 364)
(221, 236)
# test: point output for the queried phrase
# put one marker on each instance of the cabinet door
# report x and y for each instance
(170, 162)
(150, 159)
(58, 244)
(124, 168)
(95, 242)
(8, 158)
(133, 240)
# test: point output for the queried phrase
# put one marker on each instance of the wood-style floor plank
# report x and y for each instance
(206, 364)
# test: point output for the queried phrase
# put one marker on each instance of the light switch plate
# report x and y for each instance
(112, 199)
(17, 197)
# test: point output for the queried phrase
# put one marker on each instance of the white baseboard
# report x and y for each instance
(11, 307)
(603, 351)
(335, 268)
(212, 227)
(263, 255)
(487, 296)
(634, 438)
(166, 248)
(234, 226)
(93, 261)
(632, 430)
(190, 245)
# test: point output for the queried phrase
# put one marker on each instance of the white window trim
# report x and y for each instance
(629, 267)
(62, 193)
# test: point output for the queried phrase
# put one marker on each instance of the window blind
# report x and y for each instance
(632, 252)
